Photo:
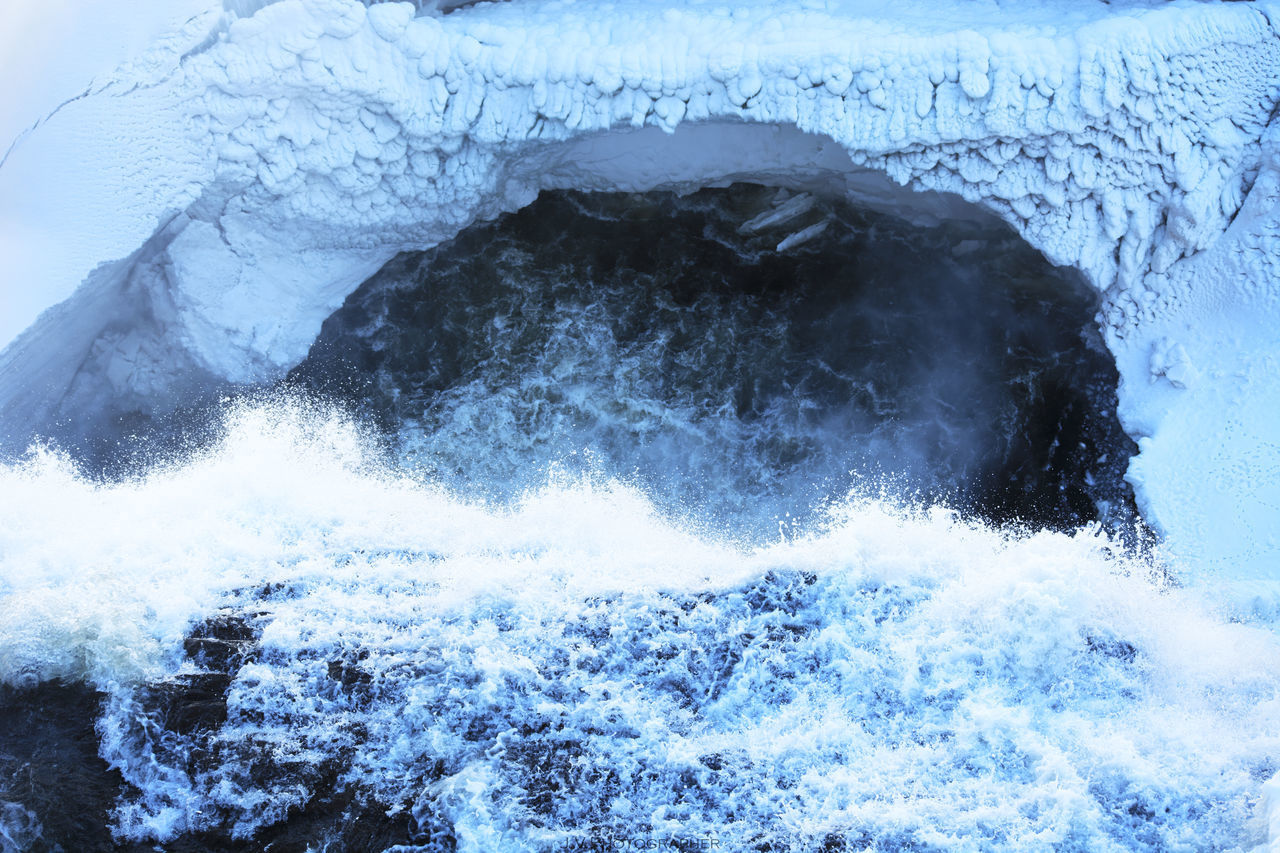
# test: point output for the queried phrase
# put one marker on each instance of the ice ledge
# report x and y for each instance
(276, 162)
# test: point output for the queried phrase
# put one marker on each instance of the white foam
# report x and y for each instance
(902, 675)
(20, 829)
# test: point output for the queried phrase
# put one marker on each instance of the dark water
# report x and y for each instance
(58, 794)
(653, 338)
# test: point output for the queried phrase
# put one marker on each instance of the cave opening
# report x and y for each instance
(746, 355)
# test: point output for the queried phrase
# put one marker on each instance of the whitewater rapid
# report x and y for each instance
(666, 341)
(573, 668)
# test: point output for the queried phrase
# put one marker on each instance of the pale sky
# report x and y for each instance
(30, 31)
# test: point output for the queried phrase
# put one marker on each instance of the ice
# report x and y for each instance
(782, 213)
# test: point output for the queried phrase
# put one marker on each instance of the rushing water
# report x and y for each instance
(665, 341)
(611, 526)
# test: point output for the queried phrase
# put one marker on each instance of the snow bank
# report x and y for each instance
(242, 181)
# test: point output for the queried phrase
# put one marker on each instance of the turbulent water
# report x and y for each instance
(565, 539)
(667, 342)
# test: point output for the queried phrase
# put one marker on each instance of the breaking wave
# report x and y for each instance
(288, 634)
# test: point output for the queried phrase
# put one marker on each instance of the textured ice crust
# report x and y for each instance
(1118, 147)
(278, 159)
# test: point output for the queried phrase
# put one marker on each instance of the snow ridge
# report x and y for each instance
(1131, 140)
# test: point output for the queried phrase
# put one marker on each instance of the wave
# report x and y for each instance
(286, 622)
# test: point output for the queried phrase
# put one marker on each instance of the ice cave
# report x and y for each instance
(546, 425)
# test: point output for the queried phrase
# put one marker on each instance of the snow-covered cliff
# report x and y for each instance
(195, 217)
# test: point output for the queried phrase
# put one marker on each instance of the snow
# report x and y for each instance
(1121, 139)
(1200, 361)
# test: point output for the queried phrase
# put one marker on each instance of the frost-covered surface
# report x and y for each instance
(1201, 388)
(65, 64)
(577, 669)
